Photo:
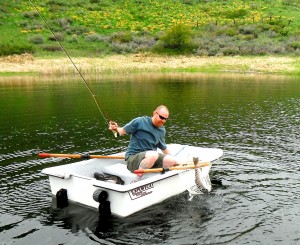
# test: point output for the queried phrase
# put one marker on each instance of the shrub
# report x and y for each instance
(294, 45)
(58, 2)
(57, 8)
(37, 39)
(144, 43)
(94, 7)
(271, 34)
(188, 2)
(51, 48)
(94, 37)
(78, 30)
(284, 32)
(230, 32)
(58, 36)
(246, 48)
(4, 8)
(212, 27)
(64, 23)
(258, 48)
(30, 14)
(10, 49)
(178, 39)
(35, 26)
(294, 3)
(248, 30)
(230, 50)
(236, 13)
(121, 37)
(24, 23)
(100, 3)
(213, 50)
(73, 39)
(202, 52)
(125, 42)
(122, 48)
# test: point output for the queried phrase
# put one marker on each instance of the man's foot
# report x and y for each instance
(140, 175)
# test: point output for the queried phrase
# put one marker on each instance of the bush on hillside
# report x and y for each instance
(30, 14)
(10, 49)
(121, 37)
(134, 44)
(73, 39)
(123, 48)
(295, 45)
(176, 40)
(93, 37)
(78, 30)
(37, 39)
(64, 24)
(59, 3)
(294, 3)
(249, 30)
(51, 47)
(59, 36)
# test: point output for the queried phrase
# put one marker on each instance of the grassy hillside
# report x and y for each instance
(199, 27)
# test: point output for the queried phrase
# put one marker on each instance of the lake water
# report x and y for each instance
(255, 119)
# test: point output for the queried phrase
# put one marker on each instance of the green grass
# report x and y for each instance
(8, 74)
(206, 69)
(90, 27)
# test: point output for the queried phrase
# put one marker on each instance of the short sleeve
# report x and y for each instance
(132, 126)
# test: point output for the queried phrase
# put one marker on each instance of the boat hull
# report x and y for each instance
(136, 194)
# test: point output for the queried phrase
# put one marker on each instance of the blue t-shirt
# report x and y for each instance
(144, 136)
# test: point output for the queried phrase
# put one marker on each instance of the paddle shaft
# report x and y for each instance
(84, 156)
(183, 167)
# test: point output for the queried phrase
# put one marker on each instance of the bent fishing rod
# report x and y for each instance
(83, 79)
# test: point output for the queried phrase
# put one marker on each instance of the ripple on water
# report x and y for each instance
(255, 123)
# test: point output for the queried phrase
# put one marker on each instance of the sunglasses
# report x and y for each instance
(161, 117)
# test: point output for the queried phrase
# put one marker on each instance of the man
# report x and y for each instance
(147, 134)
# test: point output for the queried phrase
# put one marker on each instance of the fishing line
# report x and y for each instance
(87, 85)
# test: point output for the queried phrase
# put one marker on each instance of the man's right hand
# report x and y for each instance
(113, 126)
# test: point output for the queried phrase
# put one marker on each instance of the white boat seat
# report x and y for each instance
(121, 170)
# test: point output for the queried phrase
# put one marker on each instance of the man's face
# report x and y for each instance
(160, 117)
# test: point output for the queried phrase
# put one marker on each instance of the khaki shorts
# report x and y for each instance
(133, 162)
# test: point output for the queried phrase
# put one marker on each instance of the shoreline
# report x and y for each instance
(140, 63)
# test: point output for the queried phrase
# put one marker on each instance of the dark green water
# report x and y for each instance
(255, 119)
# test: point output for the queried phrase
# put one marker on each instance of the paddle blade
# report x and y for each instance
(44, 155)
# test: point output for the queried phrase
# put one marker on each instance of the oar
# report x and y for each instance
(180, 167)
(84, 156)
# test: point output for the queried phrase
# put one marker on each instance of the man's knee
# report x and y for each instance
(151, 156)
(169, 161)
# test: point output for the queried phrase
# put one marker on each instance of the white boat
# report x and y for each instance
(136, 193)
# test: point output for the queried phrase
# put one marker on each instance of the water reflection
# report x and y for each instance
(253, 118)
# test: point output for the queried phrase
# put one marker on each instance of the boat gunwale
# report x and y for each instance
(121, 188)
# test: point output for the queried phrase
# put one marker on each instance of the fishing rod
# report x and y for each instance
(85, 82)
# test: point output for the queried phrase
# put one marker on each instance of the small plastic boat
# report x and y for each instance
(90, 182)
